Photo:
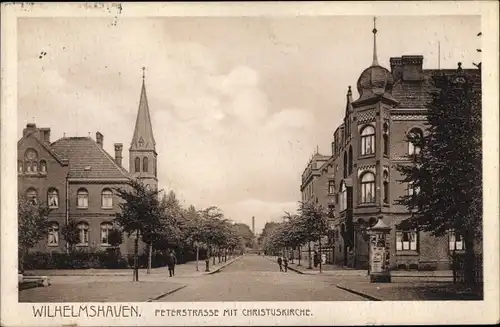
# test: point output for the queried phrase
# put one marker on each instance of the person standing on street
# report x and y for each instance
(285, 263)
(171, 261)
(280, 263)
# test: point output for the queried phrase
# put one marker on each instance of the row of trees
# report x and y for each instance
(310, 224)
(161, 223)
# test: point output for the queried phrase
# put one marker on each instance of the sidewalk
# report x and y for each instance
(142, 291)
(409, 289)
(334, 270)
(187, 269)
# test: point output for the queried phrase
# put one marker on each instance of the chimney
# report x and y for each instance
(412, 67)
(99, 138)
(45, 135)
(29, 128)
(396, 68)
(118, 153)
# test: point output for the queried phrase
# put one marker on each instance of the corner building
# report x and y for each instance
(360, 181)
(75, 177)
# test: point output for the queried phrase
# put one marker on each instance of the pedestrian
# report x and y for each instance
(316, 259)
(171, 261)
(285, 263)
(280, 263)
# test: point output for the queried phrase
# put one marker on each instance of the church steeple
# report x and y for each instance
(143, 138)
(142, 152)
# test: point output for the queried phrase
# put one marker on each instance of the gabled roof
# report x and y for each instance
(58, 156)
(143, 133)
(87, 159)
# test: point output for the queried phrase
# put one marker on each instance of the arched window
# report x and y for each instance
(145, 164)
(368, 140)
(31, 160)
(343, 196)
(350, 160)
(32, 195)
(345, 164)
(415, 136)
(137, 164)
(20, 166)
(82, 196)
(105, 228)
(43, 166)
(154, 167)
(53, 235)
(386, 187)
(107, 198)
(83, 234)
(386, 139)
(412, 189)
(53, 198)
(368, 188)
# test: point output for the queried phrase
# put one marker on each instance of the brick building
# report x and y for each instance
(75, 177)
(360, 183)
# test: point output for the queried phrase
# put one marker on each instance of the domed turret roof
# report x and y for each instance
(375, 81)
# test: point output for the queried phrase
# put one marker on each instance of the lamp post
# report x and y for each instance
(379, 265)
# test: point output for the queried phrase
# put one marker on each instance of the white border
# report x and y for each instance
(324, 313)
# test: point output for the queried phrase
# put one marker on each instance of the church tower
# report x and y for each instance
(142, 152)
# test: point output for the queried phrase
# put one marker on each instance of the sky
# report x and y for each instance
(238, 104)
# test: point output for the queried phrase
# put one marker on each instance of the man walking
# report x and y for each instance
(280, 263)
(285, 263)
(171, 261)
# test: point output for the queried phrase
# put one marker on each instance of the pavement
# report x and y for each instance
(245, 278)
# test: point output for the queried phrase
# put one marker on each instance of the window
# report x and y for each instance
(32, 196)
(154, 167)
(53, 198)
(20, 166)
(105, 228)
(137, 164)
(368, 188)
(350, 160)
(331, 187)
(145, 164)
(368, 140)
(107, 198)
(412, 189)
(386, 138)
(82, 198)
(406, 241)
(53, 235)
(30, 160)
(456, 241)
(83, 233)
(415, 135)
(345, 164)
(333, 148)
(386, 187)
(43, 166)
(343, 196)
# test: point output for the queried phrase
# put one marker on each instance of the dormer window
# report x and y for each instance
(87, 168)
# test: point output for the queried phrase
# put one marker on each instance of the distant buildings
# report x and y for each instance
(75, 177)
(359, 184)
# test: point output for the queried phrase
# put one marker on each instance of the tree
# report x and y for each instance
(141, 214)
(33, 226)
(446, 175)
(70, 234)
(313, 224)
(244, 231)
(115, 239)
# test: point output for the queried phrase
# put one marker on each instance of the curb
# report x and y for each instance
(366, 296)
(166, 293)
(223, 266)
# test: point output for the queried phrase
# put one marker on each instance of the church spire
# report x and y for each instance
(375, 60)
(143, 133)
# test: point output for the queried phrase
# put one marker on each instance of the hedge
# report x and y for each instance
(102, 259)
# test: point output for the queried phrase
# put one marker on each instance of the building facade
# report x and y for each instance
(360, 182)
(75, 178)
